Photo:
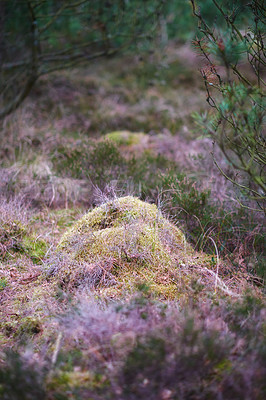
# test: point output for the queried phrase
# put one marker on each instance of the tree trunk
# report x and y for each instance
(2, 32)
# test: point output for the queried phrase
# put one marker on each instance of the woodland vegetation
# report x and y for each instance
(132, 200)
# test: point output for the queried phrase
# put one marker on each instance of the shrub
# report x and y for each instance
(19, 380)
(236, 98)
(237, 233)
(139, 348)
(102, 163)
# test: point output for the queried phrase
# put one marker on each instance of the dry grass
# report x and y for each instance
(125, 240)
(138, 349)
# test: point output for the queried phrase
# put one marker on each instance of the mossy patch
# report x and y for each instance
(3, 283)
(123, 241)
(74, 382)
(34, 247)
(26, 309)
(126, 138)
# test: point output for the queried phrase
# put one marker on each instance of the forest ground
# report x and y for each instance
(124, 126)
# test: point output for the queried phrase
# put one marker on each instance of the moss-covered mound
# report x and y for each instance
(123, 242)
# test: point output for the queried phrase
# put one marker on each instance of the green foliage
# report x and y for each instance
(202, 351)
(242, 111)
(146, 360)
(259, 264)
(14, 238)
(194, 358)
(198, 361)
(185, 195)
(34, 247)
(236, 124)
(69, 159)
(181, 197)
(97, 161)
(201, 220)
(27, 328)
(189, 205)
(40, 37)
(180, 21)
(19, 381)
(3, 283)
(227, 49)
(103, 162)
(146, 173)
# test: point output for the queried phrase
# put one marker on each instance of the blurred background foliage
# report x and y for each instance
(38, 37)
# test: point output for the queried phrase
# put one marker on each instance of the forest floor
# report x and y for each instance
(124, 127)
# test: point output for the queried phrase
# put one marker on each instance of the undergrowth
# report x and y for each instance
(66, 344)
(102, 162)
(140, 348)
(237, 233)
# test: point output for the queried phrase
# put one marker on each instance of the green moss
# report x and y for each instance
(123, 241)
(34, 247)
(65, 217)
(9, 327)
(3, 283)
(120, 212)
(125, 137)
(77, 384)
(22, 328)
(73, 379)
(28, 327)
(16, 237)
(123, 226)
(29, 302)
